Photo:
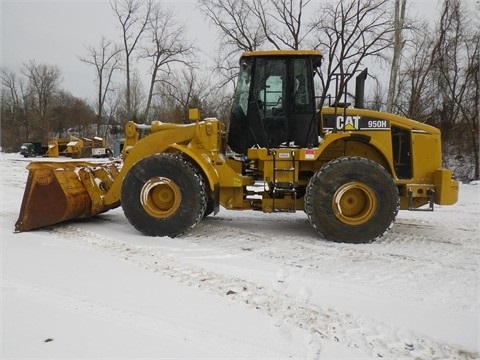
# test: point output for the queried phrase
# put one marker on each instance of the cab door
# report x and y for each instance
(280, 108)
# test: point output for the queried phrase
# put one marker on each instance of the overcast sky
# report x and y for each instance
(57, 32)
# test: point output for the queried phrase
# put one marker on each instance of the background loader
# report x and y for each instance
(350, 169)
(78, 147)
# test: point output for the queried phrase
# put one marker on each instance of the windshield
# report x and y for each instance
(270, 85)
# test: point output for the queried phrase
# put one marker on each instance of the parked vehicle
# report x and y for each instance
(32, 149)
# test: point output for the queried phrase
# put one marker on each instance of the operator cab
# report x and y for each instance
(274, 101)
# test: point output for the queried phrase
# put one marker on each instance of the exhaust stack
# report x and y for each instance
(360, 89)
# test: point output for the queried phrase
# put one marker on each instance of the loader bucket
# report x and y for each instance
(57, 192)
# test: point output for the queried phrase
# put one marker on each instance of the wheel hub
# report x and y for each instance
(354, 203)
(160, 197)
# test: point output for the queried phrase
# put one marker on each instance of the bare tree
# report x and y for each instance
(106, 61)
(350, 32)
(137, 97)
(166, 45)
(398, 43)
(35, 108)
(181, 90)
(471, 106)
(134, 16)
(43, 82)
(11, 114)
(448, 67)
(378, 98)
(248, 25)
(9, 82)
(282, 22)
(71, 115)
(239, 30)
(456, 72)
(416, 91)
(237, 21)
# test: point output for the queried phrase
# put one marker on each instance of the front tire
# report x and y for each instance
(352, 200)
(163, 195)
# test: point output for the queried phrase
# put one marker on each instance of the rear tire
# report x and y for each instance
(163, 195)
(352, 200)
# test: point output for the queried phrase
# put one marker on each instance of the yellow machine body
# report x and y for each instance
(279, 178)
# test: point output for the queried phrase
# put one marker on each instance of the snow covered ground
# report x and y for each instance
(240, 285)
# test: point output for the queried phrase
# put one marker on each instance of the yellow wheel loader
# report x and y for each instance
(349, 169)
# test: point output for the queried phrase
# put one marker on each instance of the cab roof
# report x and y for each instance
(273, 53)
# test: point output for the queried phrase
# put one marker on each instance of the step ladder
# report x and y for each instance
(280, 189)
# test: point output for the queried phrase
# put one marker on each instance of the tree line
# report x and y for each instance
(425, 70)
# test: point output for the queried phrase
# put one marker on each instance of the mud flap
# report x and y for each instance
(57, 192)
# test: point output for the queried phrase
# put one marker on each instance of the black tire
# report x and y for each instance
(352, 200)
(163, 195)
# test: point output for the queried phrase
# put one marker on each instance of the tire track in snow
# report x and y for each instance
(419, 258)
(369, 336)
